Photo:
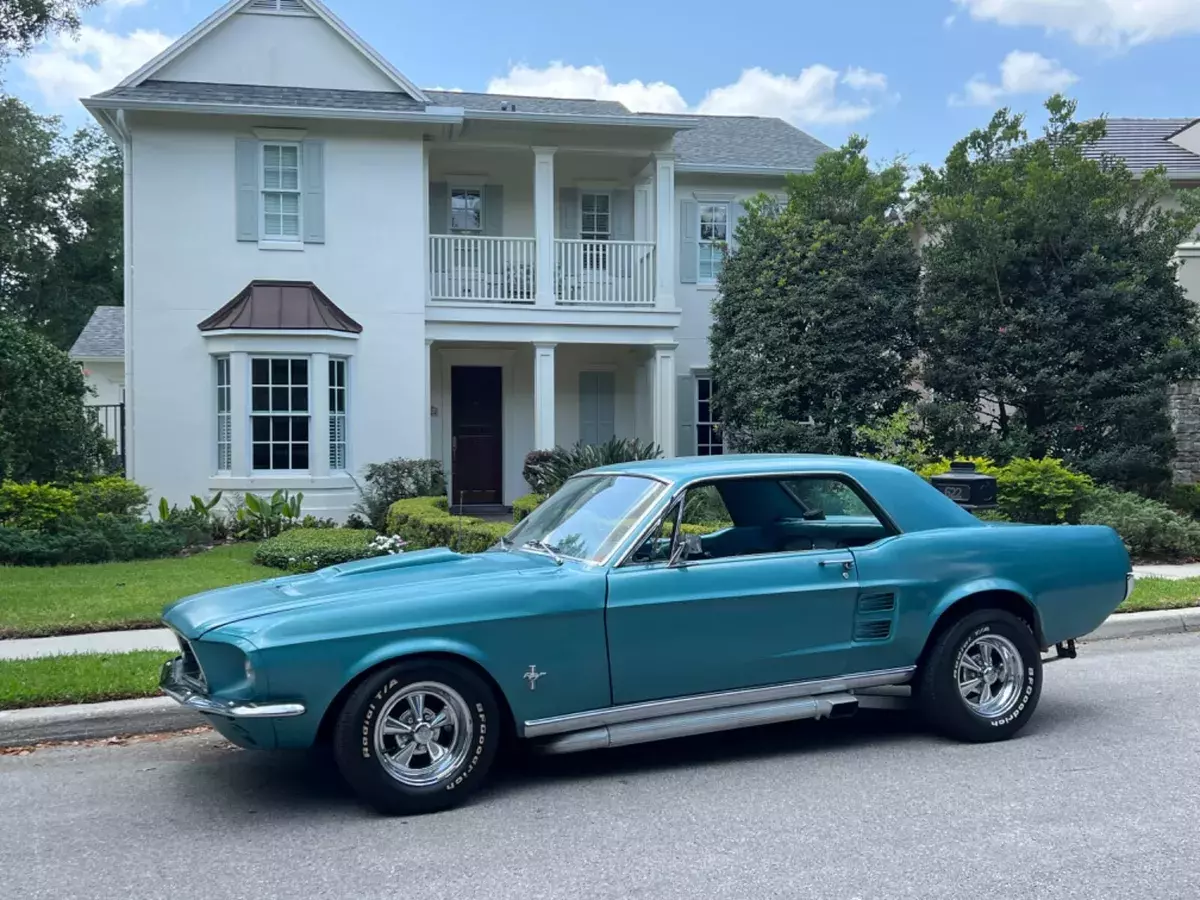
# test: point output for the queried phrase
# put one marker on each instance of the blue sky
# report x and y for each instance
(912, 76)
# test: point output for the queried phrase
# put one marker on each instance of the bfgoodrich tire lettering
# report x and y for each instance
(982, 678)
(417, 736)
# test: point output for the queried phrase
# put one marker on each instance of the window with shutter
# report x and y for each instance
(714, 236)
(281, 191)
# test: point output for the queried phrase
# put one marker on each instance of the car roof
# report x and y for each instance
(689, 468)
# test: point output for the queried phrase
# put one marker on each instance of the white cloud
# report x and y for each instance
(1021, 72)
(813, 97)
(1109, 22)
(66, 68)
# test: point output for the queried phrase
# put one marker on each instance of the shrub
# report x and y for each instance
(563, 462)
(523, 506)
(532, 471)
(1035, 491)
(426, 522)
(308, 549)
(397, 479)
(1151, 530)
(112, 495)
(35, 507)
(260, 519)
(106, 539)
(1184, 499)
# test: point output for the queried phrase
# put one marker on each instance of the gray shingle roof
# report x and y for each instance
(265, 95)
(553, 105)
(1144, 144)
(747, 141)
(104, 335)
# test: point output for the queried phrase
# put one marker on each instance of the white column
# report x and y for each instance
(428, 413)
(543, 396)
(664, 188)
(666, 420)
(543, 222)
(318, 429)
(239, 413)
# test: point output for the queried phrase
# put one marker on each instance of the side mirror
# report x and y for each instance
(686, 547)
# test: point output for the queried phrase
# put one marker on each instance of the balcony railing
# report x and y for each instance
(605, 273)
(482, 269)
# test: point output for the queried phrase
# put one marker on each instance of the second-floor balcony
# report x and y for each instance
(542, 227)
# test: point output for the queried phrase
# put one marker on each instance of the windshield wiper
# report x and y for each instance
(506, 542)
(552, 552)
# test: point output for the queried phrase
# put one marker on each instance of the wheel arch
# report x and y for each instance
(988, 595)
(377, 662)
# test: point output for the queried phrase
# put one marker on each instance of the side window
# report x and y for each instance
(829, 497)
(704, 508)
(657, 546)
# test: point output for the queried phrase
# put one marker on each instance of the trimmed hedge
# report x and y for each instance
(107, 539)
(523, 506)
(1151, 530)
(426, 522)
(309, 549)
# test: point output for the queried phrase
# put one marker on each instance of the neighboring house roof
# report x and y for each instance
(258, 95)
(316, 7)
(725, 142)
(552, 105)
(103, 337)
(276, 305)
(1144, 144)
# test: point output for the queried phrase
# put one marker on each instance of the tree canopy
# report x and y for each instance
(813, 333)
(25, 22)
(1051, 319)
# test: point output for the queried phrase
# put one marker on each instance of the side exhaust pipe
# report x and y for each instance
(828, 706)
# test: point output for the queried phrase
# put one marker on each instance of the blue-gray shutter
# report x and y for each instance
(493, 210)
(736, 212)
(314, 192)
(685, 407)
(568, 212)
(439, 207)
(246, 179)
(622, 229)
(597, 407)
(689, 249)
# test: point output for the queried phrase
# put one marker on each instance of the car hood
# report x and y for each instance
(200, 613)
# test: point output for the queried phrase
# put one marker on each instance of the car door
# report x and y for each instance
(742, 620)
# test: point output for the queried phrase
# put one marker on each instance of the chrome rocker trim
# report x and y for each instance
(171, 683)
(745, 706)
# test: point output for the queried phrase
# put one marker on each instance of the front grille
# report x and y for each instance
(191, 666)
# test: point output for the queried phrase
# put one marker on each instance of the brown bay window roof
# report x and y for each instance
(280, 305)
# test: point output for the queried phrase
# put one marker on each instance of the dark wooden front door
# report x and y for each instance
(476, 459)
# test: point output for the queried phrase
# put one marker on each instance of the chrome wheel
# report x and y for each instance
(991, 676)
(423, 733)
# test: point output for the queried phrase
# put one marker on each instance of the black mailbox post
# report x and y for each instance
(966, 487)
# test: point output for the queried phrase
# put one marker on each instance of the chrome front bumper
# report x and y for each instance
(172, 682)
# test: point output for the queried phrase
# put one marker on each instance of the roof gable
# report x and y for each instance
(297, 10)
(103, 337)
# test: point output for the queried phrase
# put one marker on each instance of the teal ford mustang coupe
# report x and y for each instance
(648, 601)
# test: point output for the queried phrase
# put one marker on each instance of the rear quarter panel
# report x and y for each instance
(1073, 575)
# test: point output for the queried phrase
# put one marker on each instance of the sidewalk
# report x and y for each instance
(1172, 572)
(99, 642)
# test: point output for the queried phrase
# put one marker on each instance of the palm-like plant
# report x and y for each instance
(563, 462)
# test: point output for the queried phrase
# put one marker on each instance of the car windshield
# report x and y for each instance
(589, 516)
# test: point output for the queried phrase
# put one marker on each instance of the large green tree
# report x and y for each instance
(25, 22)
(813, 333)
(1051, 319)
(45, 432)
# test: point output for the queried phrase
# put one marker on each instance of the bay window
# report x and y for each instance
(279, 414)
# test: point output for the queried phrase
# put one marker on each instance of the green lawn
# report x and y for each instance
(83, 678)
(73, 599)
(1162, 593)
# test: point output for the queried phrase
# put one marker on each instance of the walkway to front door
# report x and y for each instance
(475, 435)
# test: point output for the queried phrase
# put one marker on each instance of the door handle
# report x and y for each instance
(846, 564)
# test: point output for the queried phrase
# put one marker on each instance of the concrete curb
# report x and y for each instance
(92, 721)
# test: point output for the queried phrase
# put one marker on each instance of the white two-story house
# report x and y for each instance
(327, 266)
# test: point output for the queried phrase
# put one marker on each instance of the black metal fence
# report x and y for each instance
(111, 419)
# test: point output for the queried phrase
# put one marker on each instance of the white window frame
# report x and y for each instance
(466, 188)
(609, 214)
(714, 244)
(264, 191)
(339, 419)
(252, 413)
(709, 447)
(223, 365)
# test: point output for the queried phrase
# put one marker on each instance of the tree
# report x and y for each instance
(60, 223)
(1051, 319)
(815, 319)
(25, 22)
(46, 433)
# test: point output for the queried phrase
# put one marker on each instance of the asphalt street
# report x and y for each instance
(1098, 798)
